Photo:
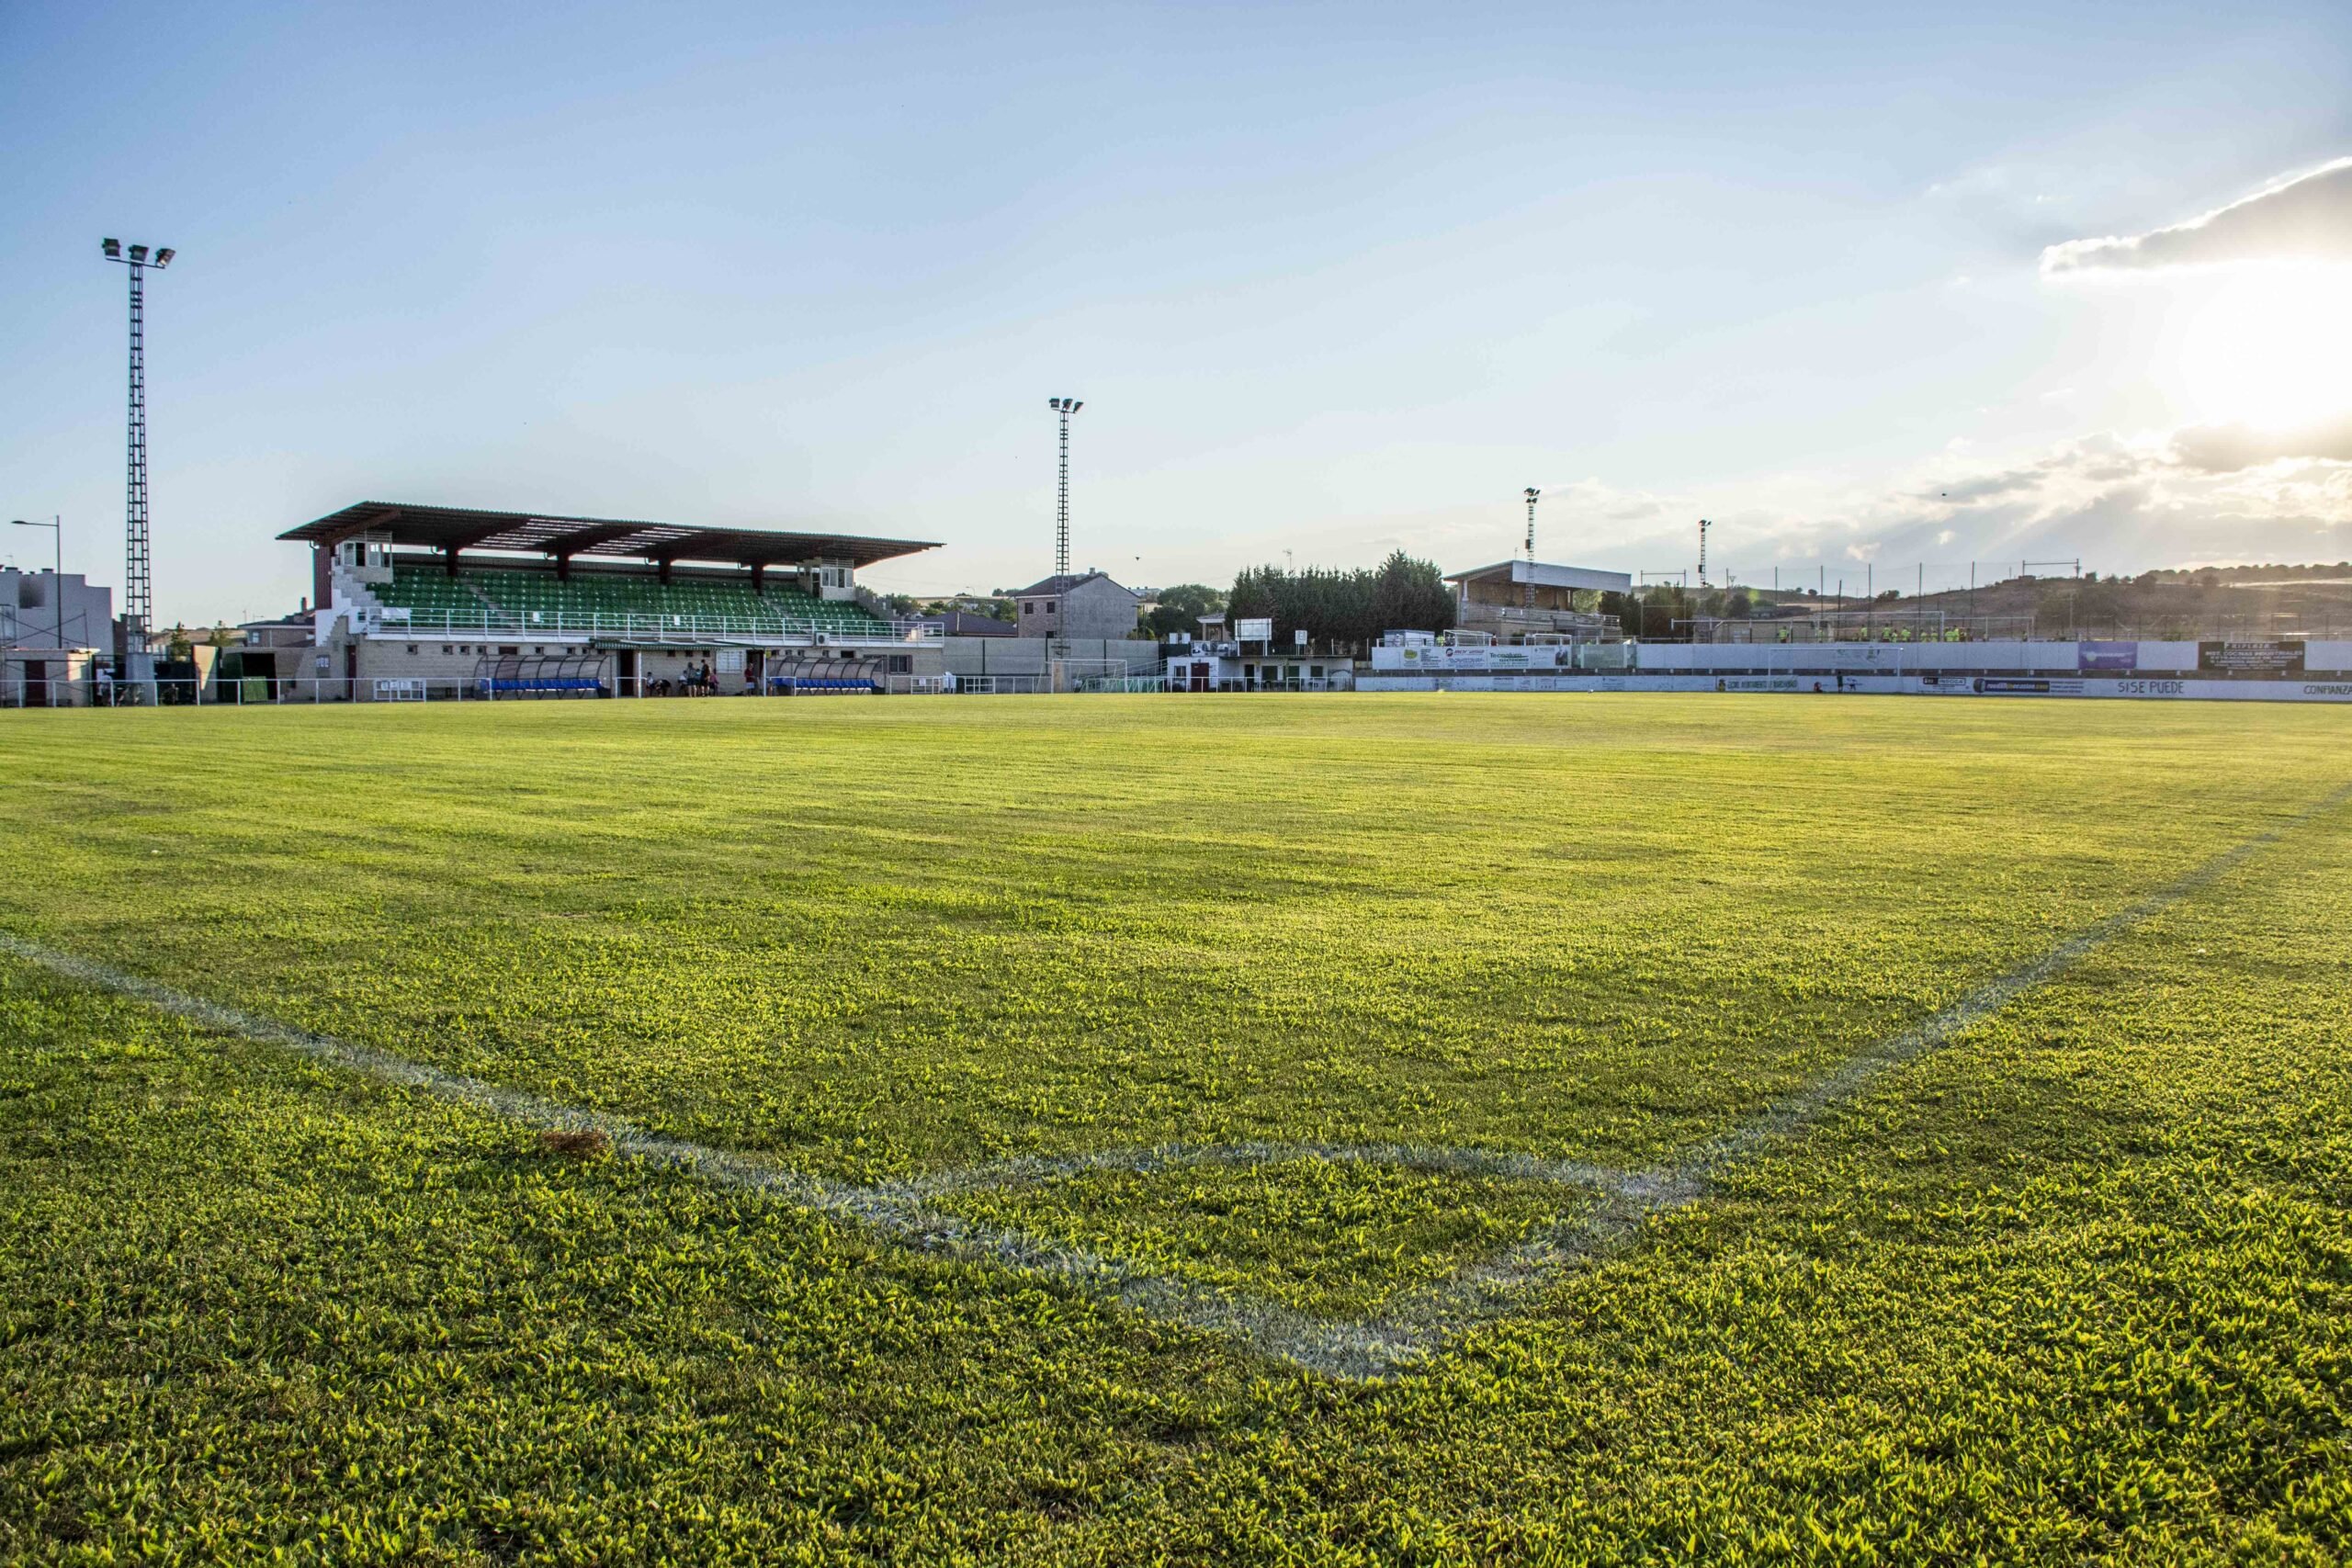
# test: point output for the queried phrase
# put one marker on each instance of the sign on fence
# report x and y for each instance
(399, 691)
(2106, 656)
(2251, 658)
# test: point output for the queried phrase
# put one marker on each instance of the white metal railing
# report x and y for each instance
(1571, 621)
(847, 677)
(251, 690)
(282, 690)
(632, 626)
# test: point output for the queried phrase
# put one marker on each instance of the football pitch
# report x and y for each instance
(1364, 1129)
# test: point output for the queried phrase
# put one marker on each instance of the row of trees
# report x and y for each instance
(1345, 609)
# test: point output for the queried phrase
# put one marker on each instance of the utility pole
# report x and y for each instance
(1065, 407)
(138, 590)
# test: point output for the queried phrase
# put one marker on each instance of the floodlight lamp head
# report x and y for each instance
(113, 248)
(163, 257)
(1075, 405)
(139, 252)
(1532, 492)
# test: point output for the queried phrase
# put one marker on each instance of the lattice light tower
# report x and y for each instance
(1065, 407)
(1704, 526)
(139, 590)
(1532, 494)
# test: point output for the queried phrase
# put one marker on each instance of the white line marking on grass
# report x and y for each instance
(892, 1211)
(1024, 1170)
(1411, 1326)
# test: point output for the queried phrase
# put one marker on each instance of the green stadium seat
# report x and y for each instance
(524, 597)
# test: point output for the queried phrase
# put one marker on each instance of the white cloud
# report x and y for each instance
(2226, 449)
(2121, 502)
(2303, 218)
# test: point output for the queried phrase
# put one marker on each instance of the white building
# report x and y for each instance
(1250, 661)
(51, 628)
(40, 609)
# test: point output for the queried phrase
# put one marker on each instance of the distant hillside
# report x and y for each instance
(2255, 600)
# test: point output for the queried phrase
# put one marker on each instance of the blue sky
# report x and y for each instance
(1330, 278)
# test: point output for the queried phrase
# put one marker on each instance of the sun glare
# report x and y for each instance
(2270, 347)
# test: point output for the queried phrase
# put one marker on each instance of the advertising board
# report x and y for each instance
(2250, 658)
(2106, 656)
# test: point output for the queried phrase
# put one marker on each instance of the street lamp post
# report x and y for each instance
(56, 527)
(138, 590)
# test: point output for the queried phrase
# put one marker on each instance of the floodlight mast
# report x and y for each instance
(137, 594)
(1532, 493)
(1065, 407)
(1704, 526)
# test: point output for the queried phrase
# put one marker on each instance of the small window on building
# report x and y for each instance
(1028, 607)
(411, 650)
(506, 649)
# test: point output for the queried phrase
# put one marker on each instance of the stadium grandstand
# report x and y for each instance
(431, 602)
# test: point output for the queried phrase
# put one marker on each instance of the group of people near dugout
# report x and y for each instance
(694, 680)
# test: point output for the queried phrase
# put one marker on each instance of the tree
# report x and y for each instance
(1181, 608)
(1344, 608)
(1655, 611)
(1411, 595)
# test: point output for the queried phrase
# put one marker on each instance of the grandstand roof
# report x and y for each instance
(468, 528)
(1543, 574)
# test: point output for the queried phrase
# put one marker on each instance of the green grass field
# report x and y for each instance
(2075, 1283)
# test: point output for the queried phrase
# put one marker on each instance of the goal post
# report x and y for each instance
(1103, 675)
